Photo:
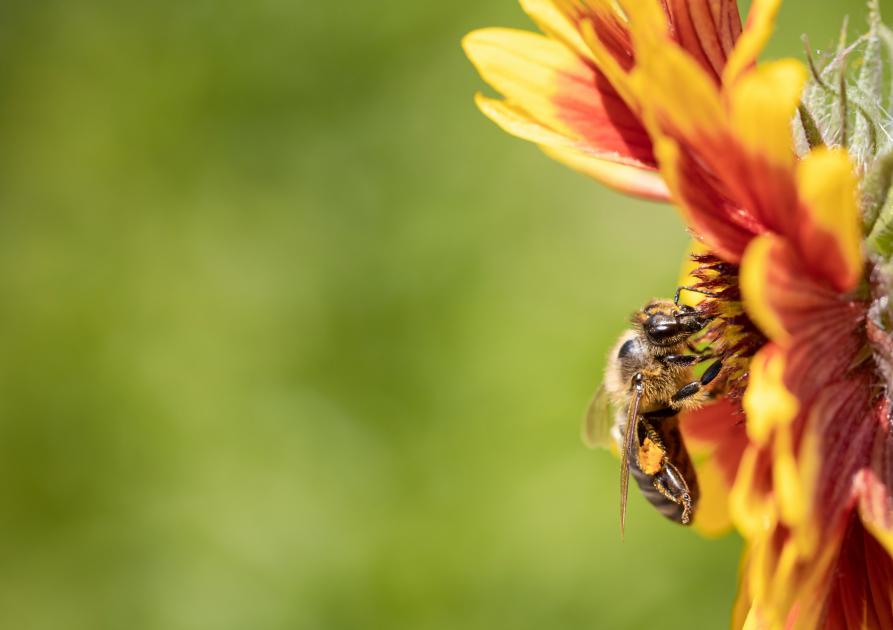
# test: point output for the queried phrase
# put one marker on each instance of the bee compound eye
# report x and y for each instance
(626, 349)
(661, 328)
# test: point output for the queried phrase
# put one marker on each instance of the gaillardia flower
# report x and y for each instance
(786, 183)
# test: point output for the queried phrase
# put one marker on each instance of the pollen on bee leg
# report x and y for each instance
(650, 457)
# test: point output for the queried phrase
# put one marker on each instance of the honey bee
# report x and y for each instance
(648, 380)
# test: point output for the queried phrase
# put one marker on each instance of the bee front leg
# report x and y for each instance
(692, 393)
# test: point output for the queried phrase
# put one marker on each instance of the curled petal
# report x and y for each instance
(781, 588)
(875, 507)
(712, 516)
(750, 501)
(767, 401)
(757, 269)
(874, 486)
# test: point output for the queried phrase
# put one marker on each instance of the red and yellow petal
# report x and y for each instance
(530, 70)
(707, 30)
(640, 181)
(718, 431)
(875, 506)
(562, 101)
(750, 500)
(767, 402)
(761, 105)
(716, 437)
(828, 232)
(874, 484)
(779, 590)
(718, 225)
(760, 302)
(559, 21)
(616, 171)
(610, 30)
(726, 151)
(690, 114)
(756, 169)
(784, 297)
(712, 516)
(760, 23)
(795, 492)
(860, 591)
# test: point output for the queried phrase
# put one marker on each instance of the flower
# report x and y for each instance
(797, 269)
(812, 493)
(568, 90)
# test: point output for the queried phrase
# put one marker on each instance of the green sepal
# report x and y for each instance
(864, 143)
(886, 37)
(875, 190)
(810, 127)
(844, 97)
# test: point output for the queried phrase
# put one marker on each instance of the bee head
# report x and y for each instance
(666, 325)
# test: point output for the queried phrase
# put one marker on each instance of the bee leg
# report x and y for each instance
(670, 483)
(687, 391)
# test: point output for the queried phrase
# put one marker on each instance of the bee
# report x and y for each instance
(648, 380)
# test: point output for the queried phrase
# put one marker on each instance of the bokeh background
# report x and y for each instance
(293, 337)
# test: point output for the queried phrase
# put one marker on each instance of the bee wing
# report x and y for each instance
(632, 422)
(596, 428)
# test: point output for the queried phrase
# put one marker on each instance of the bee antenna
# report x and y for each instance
(679, 291)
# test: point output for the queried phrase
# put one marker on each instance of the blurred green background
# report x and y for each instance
(293, 337)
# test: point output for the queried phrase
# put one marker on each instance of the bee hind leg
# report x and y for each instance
(672, 486)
